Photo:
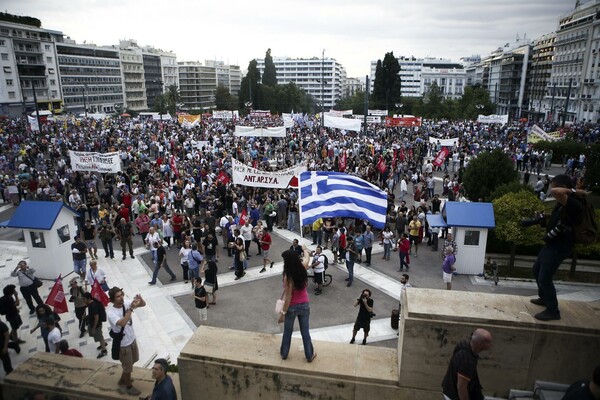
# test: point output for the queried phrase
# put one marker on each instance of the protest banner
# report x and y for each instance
(492, 119)
(248, 176)
(95, 162)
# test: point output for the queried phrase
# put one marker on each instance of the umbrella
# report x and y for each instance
(125, 115)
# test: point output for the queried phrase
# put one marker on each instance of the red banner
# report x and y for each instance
(243, 217)
(223, 178)
(404, 121)
(441, 156)
(56, 298)
(99, 294)
(381, 165)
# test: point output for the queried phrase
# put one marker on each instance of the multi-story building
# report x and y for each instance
(29, 66)
(417, 74)
(574, 88)
(322, 78)
(197, 85)
(90, 76)
(539, 76)
(352, 86)
(229, 76)
(152, 78)
(134, 82)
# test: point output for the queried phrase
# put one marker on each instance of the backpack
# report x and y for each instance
(325, 261)
(586, 231)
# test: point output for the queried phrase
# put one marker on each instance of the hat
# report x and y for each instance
(72, 281)
(113, 291)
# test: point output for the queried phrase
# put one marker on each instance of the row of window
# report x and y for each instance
(88, 61)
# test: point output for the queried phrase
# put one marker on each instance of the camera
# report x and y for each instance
(538, 219)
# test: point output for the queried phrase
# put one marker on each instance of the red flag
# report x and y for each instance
(56, 298)
(402, 155)
(293, 182)
(173, 165)
(99, 294)
(223, 178)
(441, 156)
(342, 161)
(381, 165)
(395, 159)
(243, 217)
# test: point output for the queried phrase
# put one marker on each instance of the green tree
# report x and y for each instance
(511, 187)
(269, 77)
(386, 88)
(223, 99)
(486, 172)
(509, 211)
(160, 104)
(592, 164)
(472, 98)
(172, 98)
(356, 103)
(249, 87)
(433, 100)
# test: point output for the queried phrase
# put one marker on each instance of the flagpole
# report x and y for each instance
(299, 207)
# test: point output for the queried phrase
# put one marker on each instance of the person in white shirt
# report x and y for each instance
(151, 238)
(96, 273)
(54, 335)
(404, 284)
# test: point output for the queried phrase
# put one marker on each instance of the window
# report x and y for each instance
(2, 42)
(471, 238)
(9, 82)
(50, 70)
(11, 95)
(37, 240)
(64, 234)
(47, 47)
(53, 81)
(49, 59)
(7, 70)
(4, 56)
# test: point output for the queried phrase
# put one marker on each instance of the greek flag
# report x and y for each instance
(334, 194)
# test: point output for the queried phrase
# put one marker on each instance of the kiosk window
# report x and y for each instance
(37, 240)
(472, 238)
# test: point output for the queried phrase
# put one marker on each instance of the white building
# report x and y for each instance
(576, 64)
(229, 76)
(90, 76)
(352, 86)
(322, 78)
(417, 74)
(197, 85)
(132, 67)
(29, 69)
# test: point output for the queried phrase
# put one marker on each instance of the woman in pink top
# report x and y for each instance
(295, 281)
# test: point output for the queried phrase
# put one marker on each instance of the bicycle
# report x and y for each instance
(326, 280)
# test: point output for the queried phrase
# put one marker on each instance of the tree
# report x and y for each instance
(172, 98)
(356, 103)
(509, 211)
(486, 172)
(386, 88)
(472, 98)
(433, 100)
(269, 77)
(223, 98)
(249, 86)
(592, 164)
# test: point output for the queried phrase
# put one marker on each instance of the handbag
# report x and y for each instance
(209, 287)
(37, 283)
(279, 304)
(115, 350)
(243, 256)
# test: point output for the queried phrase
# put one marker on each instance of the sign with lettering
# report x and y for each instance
(95, 162)
(248, 176)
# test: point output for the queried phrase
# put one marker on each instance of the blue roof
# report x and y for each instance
(436, 220)
(37, 214)
(472, 215)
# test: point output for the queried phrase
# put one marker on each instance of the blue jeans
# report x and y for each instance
(194, 273)
(350, 267)
(292, 220)
(546, 264)
(79, 266)
(302, 311)
(387, 248)
(403, 262)
(157, 267)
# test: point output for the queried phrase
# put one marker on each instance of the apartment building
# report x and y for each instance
(197, 85)
(229, 76)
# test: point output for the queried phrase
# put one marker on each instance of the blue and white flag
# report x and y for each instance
(335, 194)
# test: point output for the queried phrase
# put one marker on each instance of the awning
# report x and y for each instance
(436, 220)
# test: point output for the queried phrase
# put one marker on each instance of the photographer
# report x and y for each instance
(559, 242)
(365, 313)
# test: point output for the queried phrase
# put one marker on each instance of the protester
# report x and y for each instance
(96, 316)
(63, 348)
(448, 267)
(200, 299)
(365, 313)
(164, 389)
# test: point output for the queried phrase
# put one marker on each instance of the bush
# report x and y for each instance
(560, 149)
(486, 173)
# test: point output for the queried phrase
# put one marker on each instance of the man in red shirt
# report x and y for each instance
(63, 346)
(124, 212)
(176, 223)
(265, 244)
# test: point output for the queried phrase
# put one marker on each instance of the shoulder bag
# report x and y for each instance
(37, 283)
(115, 351)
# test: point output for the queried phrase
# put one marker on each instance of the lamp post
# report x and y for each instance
(323, 88)
(84, 92)
(399, 107)
(37, 111)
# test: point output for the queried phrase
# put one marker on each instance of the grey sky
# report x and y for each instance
(351, 31)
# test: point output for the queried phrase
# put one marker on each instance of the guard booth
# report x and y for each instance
(49, 228)
(470, 223)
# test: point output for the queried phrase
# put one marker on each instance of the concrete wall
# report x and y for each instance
(229, 364)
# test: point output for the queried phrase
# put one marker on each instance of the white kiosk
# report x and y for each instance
(470, 223)
(49, 228)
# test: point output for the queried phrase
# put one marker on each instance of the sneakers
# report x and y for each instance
(262, 270)
(102, 354)
(272, 264)
(132, 391)
(538, 302)
(151, 283)
(132, 257)
(547, 316)
(364, 341)
(352, 341)
(349, 284)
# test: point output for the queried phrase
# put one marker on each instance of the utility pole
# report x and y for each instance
(323, 89)
(84, 100)
(567, 102)
(552, 102)
(366, 104)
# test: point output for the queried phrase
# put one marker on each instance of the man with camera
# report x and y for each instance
(365, 313)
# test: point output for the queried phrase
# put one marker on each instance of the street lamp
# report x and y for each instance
(84, 93)
(399, 107)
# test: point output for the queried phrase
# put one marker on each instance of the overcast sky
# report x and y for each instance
(354, 32)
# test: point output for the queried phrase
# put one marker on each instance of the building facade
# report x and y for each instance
(539, 77)
(134, 81)
(352, 86)
(321, 78)
(573, 92)
(197, 85)
(90, 77)
(229, 76)
(29, 66)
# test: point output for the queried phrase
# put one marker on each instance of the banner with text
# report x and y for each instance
(95, 162)
(260, 113)
(341, 123)
(380, 113)
(402, 121)
(278, 131)
(248, 176)
(537, 134)
(444, 142)
(492, 119)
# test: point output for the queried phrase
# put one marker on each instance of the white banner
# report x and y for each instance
(493, 119)
(224, 114)
(338, 113)
(444, 142)
(288, 120)
(381, 113)
(33, 123)
(95, 162)
(371, 119)
(278, 131)
(248, 176)
(260, 113)
(342, 123)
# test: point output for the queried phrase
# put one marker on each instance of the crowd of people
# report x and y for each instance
(175, 190)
